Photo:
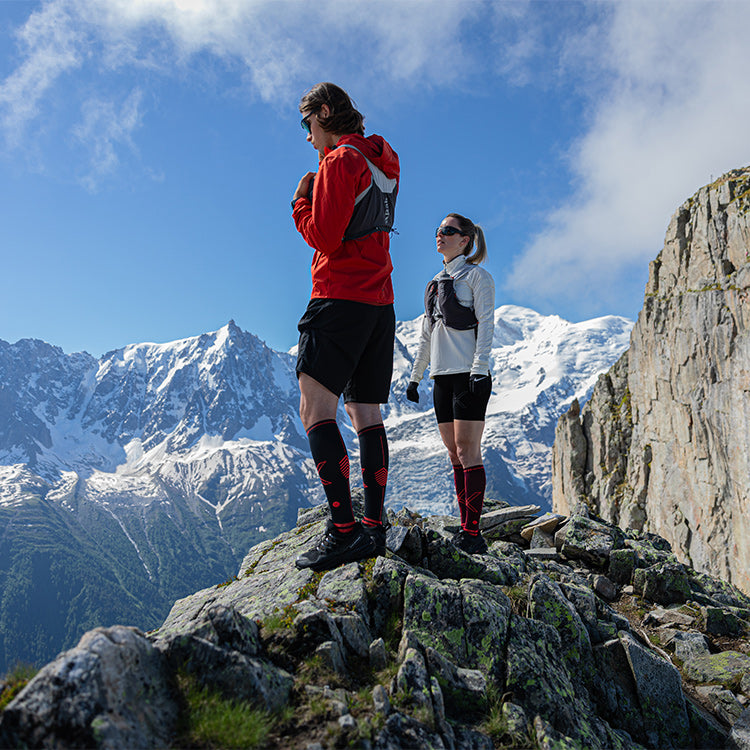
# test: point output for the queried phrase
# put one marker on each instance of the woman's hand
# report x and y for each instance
(412, 392)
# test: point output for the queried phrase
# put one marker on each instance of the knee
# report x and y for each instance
(310, 412)
(363, 415)
(453, 454)
(462, 455)
(467, 454)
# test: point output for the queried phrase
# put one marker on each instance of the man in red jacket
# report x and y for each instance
(345, 213)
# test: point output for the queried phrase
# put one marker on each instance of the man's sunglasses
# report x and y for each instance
(449, 231)
(305, 122)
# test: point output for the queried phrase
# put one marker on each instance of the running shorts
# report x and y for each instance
(348, 348)
(453, 400)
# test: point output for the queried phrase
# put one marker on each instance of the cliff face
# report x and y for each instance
(664, 443)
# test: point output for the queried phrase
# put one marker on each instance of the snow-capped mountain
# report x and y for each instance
(539, 365)
(132, 480)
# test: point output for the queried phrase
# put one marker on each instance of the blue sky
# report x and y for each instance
(149, 150)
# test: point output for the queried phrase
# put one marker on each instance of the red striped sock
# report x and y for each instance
(373, 456)
(332, 461)
(458, 481)
(475, 482)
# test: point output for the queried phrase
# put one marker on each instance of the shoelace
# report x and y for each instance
(327, 542)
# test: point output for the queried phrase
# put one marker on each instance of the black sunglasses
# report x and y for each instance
(305, 122)
(449, 231)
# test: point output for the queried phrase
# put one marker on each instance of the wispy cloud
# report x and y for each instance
(274, 48)
(104, 130)
(671, 99)
(50, 47)
(667, 89)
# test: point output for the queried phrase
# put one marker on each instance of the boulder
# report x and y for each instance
(665, 583)
(588, 540)
(112, 690)
(726, 668)
(524, 644)
(659, 689)
(739, 737)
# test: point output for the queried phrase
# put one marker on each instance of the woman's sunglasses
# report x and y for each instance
(449, 231)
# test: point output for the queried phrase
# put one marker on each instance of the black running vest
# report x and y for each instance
(440, 301)
(374, 206)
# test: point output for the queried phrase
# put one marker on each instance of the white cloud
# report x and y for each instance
(104, 130)
(671, 111)
(275, 48)
(51, 47)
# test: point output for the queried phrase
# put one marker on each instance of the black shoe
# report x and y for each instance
(377, 534)
(334, 549)
(472, 545)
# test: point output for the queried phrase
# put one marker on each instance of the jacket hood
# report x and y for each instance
(377, 150)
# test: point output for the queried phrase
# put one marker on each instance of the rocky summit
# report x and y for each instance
(568, 633)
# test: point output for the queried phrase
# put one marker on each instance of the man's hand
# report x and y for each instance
(304, 186)
(412, 392)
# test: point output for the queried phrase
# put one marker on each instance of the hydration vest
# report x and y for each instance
(440, 301)
(374, 206)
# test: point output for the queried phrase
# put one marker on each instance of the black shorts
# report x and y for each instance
(348, 347)
(453, 400)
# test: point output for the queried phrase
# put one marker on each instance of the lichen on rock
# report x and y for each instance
(444, 653)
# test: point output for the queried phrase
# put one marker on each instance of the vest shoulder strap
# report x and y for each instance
(374, 206)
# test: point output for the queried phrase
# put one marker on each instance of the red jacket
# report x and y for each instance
(358, 270)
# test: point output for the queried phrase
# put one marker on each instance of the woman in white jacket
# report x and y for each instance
(456, 339)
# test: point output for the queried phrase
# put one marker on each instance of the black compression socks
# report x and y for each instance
(332, 462)
(373, 456)
(458, 481)
(475, 482)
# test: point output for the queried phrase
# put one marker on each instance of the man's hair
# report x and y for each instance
(343, 118)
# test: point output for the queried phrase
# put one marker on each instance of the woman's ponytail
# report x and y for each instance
(476, 236)
(480, 254)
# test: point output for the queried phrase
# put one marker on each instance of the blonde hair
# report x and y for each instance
(475, 233)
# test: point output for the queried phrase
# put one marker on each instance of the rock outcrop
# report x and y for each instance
(568, 633)
(663, 445)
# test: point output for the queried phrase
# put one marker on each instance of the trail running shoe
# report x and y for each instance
(377, 534)
(334, 549)
(473, 545)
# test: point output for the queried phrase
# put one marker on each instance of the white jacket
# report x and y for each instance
(448, 350)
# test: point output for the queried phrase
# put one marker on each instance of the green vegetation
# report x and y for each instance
(519, 598)
(227, 582)
(392, 631)
(14, 682)
(283, 618)
(62, 575)
(208, 720)
(279, 620)
(496, 724)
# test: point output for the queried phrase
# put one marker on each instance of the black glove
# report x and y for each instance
(477, 383)
(412, 393)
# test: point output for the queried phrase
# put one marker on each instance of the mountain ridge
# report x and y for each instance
(161, 464)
